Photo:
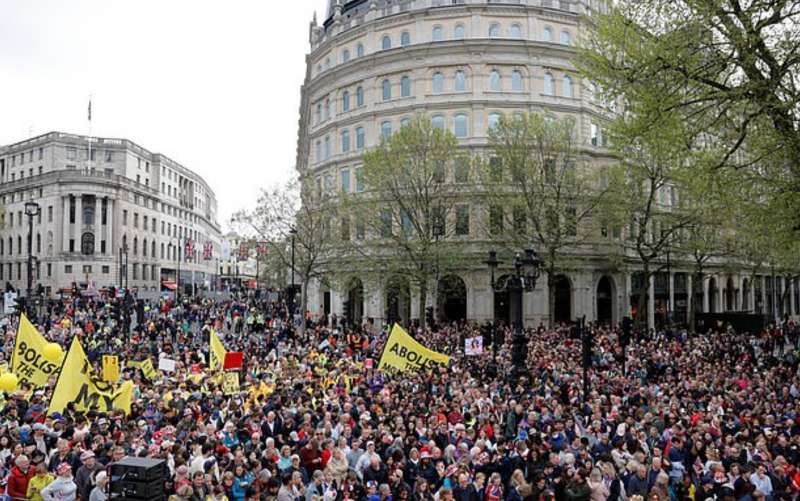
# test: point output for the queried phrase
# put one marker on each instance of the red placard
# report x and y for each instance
(233, 360)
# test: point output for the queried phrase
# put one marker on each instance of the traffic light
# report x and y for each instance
(20, 306)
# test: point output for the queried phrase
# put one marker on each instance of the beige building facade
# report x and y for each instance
(95, 205)
(374, 64)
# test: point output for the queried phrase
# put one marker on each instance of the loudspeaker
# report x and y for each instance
(137, 489)
(139, 470)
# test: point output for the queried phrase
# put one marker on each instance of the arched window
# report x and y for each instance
(405, 38)
(494, 30)
(49, 244)
(437, 122)
(360, 50)
(359, 96)
(460, 83)
(345, 101)
(405, 122)
(87, 244)
(515, 31)
(345, 55)
(405, 87)
(387, 90)
(438, 83)
(460, 125)
(438, 34)
(135, 246)
(386, 130)
(345, 141)
(153, 249)
(494, 81)
(548, 84)
(494, 120)
(327, 108)
(319, 112)
(360, 138)
(144, 247)
(386, 42)
(162, 250)
(566, 38)
(458, 33)
(566, 86)
(38, 243)
(547, 34)
(516, 81)
(327, 147)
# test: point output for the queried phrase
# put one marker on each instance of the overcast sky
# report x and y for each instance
(213, 85)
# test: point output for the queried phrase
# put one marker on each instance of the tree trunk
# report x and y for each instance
(303, 306)
(641, 301)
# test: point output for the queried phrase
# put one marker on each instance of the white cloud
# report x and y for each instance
(213, 85)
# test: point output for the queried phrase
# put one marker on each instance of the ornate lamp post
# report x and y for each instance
(526, 271)
(32, 210)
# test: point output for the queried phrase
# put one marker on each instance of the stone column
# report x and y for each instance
(738, 300)
(626, 300)
(78, 221)
(66, 227)
(651, 302)
(110, 228)
(671, 306)
(689, 295)
(98, 235)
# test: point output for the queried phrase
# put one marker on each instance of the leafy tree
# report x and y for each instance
(540, 193)
(294, 212)
(404, 218)
(727, 69)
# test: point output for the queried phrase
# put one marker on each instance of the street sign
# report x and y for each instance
(9, 303)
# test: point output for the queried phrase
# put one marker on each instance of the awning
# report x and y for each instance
(169, 284)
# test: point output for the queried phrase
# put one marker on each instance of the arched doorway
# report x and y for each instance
(452, 299)
(730, 298)
(502, 304)
(325, 297)
(563, 299)
(398, 300)
(605, 301)
(355, 296)
(712, 295)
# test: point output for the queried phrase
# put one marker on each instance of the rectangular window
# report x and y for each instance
(87, 268)
(102, 246)
(360, 138)
(72, 153)
(461, 170)
(72, 245)
(406, 223)
(438, 172)
(495, 170)
(361, 229)
(571, 222)
(345, 141)
(68, 268)
(386, 223)
(125, 217)
(520, 220)
(359, 180)
(41, 153)
(345, 177)
(345, 229)
(495, 220)
(135, 219)
(439, 222)
(462, 220)
(594, 133)
(105, 269)
(49, 270)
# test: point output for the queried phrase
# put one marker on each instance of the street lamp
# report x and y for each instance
(32, 210)
(526, 271)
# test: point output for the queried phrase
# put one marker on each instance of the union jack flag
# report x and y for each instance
(244, 251)
(189, 250)
(262, 248)
(207, 251)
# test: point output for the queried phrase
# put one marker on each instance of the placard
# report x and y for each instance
(166, 365)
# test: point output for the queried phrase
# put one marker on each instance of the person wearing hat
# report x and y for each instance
(63, 488)
(19, 478)
(84, 475)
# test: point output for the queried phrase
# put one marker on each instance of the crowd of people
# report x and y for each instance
(693, 416)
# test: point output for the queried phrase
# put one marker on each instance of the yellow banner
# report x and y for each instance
(77, 384)
(110, 368)
(216, 357)
(403, 353)
(146, 366)
(28, 362)
(230, 383)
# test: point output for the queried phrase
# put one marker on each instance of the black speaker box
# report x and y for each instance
(138, 470)
(137, 489)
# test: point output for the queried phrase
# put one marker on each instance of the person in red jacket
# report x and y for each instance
(18, 480)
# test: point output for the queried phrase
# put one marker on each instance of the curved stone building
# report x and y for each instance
(373, 64)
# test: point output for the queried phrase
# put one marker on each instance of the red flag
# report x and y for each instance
(207, 251)
(233, 360)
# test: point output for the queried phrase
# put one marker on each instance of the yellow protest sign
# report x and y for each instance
(77, 384)
(230, 383)
(28, 362)
(216, 355)
(110, 368)
(146, 366)
(402, 353)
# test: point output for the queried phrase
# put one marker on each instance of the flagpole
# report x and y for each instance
(89, 140)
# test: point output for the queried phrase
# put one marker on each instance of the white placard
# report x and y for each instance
(166, 364)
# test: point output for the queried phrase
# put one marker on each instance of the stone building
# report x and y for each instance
(373, 64)
(94, 206)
